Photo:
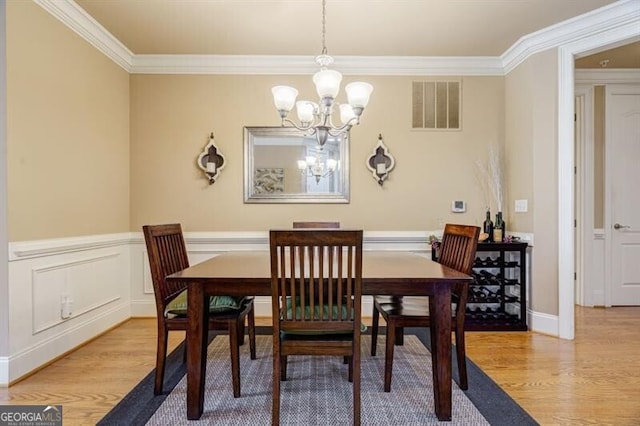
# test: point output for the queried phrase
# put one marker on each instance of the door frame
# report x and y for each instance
(612, 37)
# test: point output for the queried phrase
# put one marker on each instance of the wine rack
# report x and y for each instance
(497, 297)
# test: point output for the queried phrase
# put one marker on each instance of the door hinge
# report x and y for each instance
(575, 223)
(575, 276)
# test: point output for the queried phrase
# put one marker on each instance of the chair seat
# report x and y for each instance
(220, 305)
(318, 314)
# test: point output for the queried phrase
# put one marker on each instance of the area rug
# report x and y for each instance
(317, 391)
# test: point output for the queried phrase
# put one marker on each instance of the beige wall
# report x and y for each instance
(171, 116)
(93, 150)
(67, 131)
(519, 135)
(531, 129)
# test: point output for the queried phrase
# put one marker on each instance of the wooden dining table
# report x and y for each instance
(247, 273)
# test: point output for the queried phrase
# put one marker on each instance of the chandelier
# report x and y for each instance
(313, 167)
(316, 118)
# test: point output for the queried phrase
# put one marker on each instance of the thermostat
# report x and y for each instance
(458, 206)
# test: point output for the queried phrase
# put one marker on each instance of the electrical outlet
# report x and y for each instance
(521, 206)
(66, 305)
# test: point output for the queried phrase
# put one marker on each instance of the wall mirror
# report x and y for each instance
(286, 165)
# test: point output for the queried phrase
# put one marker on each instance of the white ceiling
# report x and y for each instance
(354, 27)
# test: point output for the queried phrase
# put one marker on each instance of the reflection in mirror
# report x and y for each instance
(284, 165)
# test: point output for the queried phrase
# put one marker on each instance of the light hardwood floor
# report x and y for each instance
(592, 380)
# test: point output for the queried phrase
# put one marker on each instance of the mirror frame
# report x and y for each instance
(250, 135)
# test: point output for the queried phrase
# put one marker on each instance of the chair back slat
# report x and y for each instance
(316, 278)
(167, 254)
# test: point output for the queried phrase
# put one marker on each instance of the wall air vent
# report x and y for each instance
(436, 105)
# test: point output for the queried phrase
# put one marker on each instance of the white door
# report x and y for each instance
(623, 192)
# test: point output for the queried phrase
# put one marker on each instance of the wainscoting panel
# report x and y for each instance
(90, 273)
(61, 292)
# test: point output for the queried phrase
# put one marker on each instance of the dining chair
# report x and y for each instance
(458, 252)
(318, 225)
(316, 291)
(315, 225)
(168, 254)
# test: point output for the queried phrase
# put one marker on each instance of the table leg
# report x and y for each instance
(440, 308)
(196, 351)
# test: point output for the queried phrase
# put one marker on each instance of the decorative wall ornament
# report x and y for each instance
(381, 162)
(211, 161)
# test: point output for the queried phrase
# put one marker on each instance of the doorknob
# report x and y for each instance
(618, 226)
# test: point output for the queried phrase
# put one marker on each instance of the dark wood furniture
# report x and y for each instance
(498, 295)
(168, 254)
(328, 225)
(384, 273)
(316, 292)
(458, 252)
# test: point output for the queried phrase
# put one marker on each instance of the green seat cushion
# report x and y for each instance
(318, 313)
(217, 305)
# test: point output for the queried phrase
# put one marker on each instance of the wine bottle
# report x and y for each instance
(487, 227)
(498, 228)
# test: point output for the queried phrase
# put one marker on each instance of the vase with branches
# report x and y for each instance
(490, 177)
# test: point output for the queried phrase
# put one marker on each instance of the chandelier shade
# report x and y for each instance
(358, 94)
(327, 83)
(284, 97)
(305, 110)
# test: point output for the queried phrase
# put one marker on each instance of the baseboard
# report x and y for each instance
(143, 308)
(544, 323)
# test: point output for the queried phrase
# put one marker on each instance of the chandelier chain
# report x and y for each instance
(324, 27)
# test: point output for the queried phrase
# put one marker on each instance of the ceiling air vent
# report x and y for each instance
(436, 105)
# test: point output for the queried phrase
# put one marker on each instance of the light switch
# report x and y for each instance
(521, 206)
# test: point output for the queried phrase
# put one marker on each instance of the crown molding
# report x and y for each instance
(619, 14)
(286, 65)
(75, 17)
